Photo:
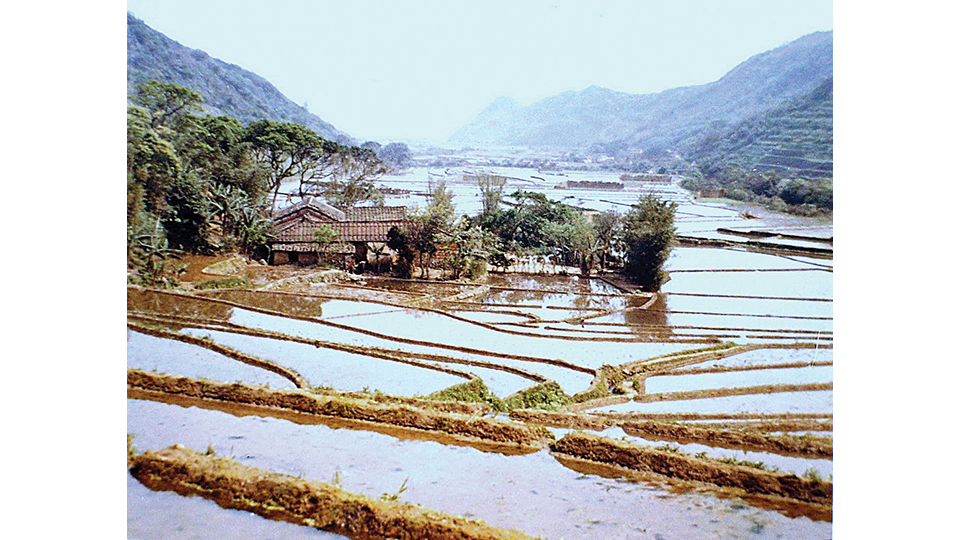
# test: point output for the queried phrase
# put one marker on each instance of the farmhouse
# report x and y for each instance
(292, 235)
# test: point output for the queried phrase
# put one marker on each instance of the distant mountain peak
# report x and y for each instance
(503, 102)
(578, 119)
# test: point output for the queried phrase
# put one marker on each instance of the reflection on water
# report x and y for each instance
(150, 353)
(159, 515)
(654, 315)
(340, 370)
(533, 493)
(738, 379)
(289, 304)
(815, 401)
(790, 464)
(179, 305)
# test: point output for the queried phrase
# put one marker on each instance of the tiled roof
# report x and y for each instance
(375, 213)
(309, 203)
(295, 225)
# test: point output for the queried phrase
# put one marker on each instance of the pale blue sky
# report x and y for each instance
(389, 70)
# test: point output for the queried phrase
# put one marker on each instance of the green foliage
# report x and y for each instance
(324, 236)
(399, 241)
(548, 396)
(430, 227)
(152, 164)
(599, 390)
(212, 147)
(771, 189)
(187, 215)
(813, 474)
(148, 252)
(782, 158)
(287, 150)
(473, 391)
(352, 172)
(395, 496)
(608, 227)
(474, 246)
(166, 101)
(648, 236)
(491, 191)
(131, 449)
(232, 282)
(535, 225)
(252, 229)
(207, 177)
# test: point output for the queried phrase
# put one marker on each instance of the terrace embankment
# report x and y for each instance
(693, 469)
(521, 436)
(727, 437)
(287, 498)
(802, 446)
(722, 392)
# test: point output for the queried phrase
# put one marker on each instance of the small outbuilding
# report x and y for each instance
(292, 236)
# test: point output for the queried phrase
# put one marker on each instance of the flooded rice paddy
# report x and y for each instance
(737, 337)
(534, 493)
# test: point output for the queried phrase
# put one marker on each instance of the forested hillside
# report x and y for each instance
(795, 139)
(227, 89)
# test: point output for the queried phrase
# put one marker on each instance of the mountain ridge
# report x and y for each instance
(594, 115)
(227, 89)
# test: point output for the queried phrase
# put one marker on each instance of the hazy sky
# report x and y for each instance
(391, 70)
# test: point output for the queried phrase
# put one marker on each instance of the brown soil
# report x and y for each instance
(561, 419)
(689, 468)
(727, 369)
(311, 503)
(683, 358)
(468, 350)
(485, 429)
(742, 436)
(722, 392)
(788, 507)
(789, 445)
(398, 432)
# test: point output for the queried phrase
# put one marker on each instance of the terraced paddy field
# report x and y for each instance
(316, 404)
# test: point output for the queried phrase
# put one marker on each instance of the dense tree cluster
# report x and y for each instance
(797, 195)
(208, 183)
(536, 225)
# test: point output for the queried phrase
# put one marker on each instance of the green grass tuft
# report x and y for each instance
(225, 283)
(473, 391)
(548, 396)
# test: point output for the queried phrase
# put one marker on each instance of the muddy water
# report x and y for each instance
(817, 401)
(772, 356)
(739, 379)
(790, 464)
(158, 515)
(438, 328)
(336, 369)
(533, 493)
(490, 316)
(348, 372)
(172, 357)
(435, 327)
